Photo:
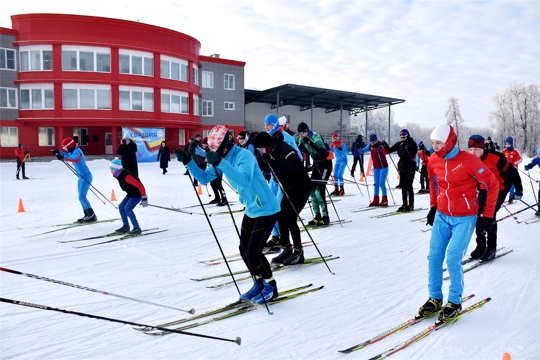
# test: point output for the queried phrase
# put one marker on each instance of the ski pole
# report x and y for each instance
(527, 204)
(528, 175)
(172, 209)
(365, 177)
(532, 188)
(390, 190)
(515, 218)
(298, 215)
(238, 340)
(91, 190)
(192, 311)
(358, 186)
(517, 212)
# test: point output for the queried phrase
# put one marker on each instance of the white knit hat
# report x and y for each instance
(441, 132)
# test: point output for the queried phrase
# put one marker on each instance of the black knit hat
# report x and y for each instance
(263, 140)
(302, 127)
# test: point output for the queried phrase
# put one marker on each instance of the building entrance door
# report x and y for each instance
(108, 143)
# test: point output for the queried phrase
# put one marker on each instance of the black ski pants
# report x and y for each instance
(406, 179)
(491, 234)
(287, 219)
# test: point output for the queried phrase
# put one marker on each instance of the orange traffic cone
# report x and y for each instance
(507, 356)
(21, 207)
(361, 177)
(199, 190)
(113, 196)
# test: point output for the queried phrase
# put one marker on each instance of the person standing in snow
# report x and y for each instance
(164, 156)
(128, 152)
(357, 147)
(380, 169)
(406, 149)
(73, 154)
(340, 155)
(507, 176)
(135, 193)
(314, 145)
(197, 153)
(261, 206)
(453, 215)
(514, 157)
(529, 166)
(278, 156)
(422, 159)
(21, 158)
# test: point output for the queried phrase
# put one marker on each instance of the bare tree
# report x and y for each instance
(453, 115)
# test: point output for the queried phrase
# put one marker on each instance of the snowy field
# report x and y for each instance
(380, 279)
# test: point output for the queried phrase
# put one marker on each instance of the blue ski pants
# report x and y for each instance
(126, 210)
(83, 185)
(379, 177)
(339, 170)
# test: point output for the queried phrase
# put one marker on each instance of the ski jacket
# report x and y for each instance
(490, 146)
(197, 153)
(506, 174)
(128, 153)
(78, 160)
(249, 143)
(20, 154)
(513, 156)
(357, 147)
(378, 155)
(423, 157)
(130, 184)
(406, 151)
(164, 156)
(535, 161)
(244, 175)
(314, 145)
(458, 175)
(340, 155)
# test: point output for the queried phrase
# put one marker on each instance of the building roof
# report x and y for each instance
(299, 95)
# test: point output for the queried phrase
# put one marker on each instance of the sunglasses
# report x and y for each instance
(403, 137)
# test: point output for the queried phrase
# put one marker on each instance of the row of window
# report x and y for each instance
(90, 96)
(98, 59)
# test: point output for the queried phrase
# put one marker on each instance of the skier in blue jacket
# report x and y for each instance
(261, 206)
(340, 155)
(529, 166)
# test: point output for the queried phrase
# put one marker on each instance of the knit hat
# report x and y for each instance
(421, 145)
(205, 141)
(222, 137)
(335, 137)
(489, 138)
(68, 143)
(446, 134)
(404, 132)
(270, 119)
(302, 127)
(115, 164)
(509, 140)
(373, 138)
(263, 140)
(476, 141)
(538, 152)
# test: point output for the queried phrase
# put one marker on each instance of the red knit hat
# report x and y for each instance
(68, 143)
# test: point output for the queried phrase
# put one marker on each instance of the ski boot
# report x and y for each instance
(123, 230)
(285, 254)
(297, 256)
(375, 201)
(315, 221)
(269, 292)
(431, 307)
(335, 192)
(254, 291)
(384, 201)
(341, 191)
(449, 312)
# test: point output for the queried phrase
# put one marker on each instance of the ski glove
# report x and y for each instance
(56, 153)
(527, 167)
(518, 195)
(144, 202)
(266, 158)
(340, 148)
(484, 223)
(183, 156)
(306, 140)
(213, 158)
(431, 216)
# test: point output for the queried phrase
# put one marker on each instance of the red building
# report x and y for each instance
(84, 76)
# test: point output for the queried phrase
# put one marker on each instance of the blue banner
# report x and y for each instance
(148, 141)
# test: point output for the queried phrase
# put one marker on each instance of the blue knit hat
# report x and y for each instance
(270, 119)
(404, 132)
(302, 127)
(373, 138)
(115, 164)
(538, 152)
(509, 140)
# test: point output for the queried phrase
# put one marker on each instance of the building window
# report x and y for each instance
(136, 98)
(196, 110)
(207, 79)
(10, 136)
(207, 108)
(229, 105)
(136, 62)
(37, 96)
(46, 136)
(205, 133)
(7, 59)
(36, 58)
(181, 136)
(173, 68)
(174, 101)
(86, 58)
(86, 96)
(8, 98)
(81, 136)
(228, 82)
(195, 75)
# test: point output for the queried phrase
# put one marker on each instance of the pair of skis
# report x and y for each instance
(480, 263)
(122, 237)
(393, 213)
(368, 208)
(64, 227)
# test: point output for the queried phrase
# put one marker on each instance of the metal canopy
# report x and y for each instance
(330, 100)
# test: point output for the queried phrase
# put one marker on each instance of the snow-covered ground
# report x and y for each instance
(380, 279)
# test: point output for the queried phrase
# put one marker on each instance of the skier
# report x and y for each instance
(406, 149)
(261, 205)
(72, 153)
(128, 151)
(21, 158)
(529, 166)
(197, 153)
(245, 141)
(313, 143)
(164, 156)
(507, 176)
(514, 158)
(216, 183)
(340, 154)
(275, 154)
(491, 145)
(135, 193)
(380, 169)
(453, 215)
(423, 158)
(357, 147)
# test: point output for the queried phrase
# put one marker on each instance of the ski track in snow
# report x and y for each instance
(380, 279)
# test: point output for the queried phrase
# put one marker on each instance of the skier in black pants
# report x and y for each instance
(356, 148)
(275, 154)
(406, 149)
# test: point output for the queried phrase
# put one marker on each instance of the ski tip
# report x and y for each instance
(238, 340)
(488, 299)
(192, 311)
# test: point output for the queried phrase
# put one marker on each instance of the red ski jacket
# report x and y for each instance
(513, 156)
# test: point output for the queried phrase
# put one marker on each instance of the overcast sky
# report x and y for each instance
(420, 51)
